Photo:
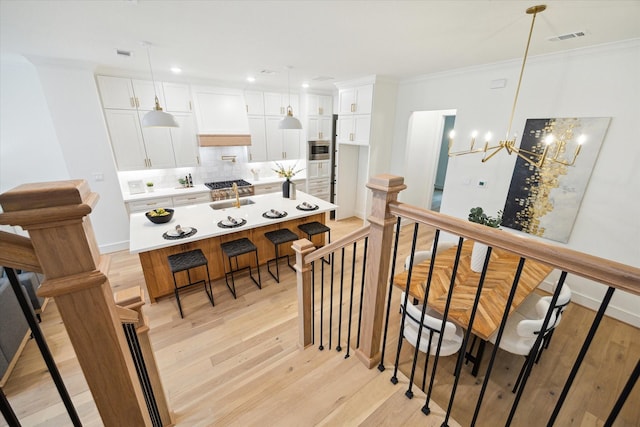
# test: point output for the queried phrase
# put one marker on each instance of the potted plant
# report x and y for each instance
(150, 186)
(479, 251)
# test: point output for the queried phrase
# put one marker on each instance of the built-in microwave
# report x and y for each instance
(319, 150)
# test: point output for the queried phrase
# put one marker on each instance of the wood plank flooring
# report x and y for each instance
(238, 364)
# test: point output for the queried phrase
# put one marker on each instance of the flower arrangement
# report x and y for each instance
(288, 172)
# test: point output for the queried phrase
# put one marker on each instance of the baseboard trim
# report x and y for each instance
(114, 247)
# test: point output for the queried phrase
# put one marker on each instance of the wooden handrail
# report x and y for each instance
(126, 315)
(17, 252)
(611, 273)
(343, 242)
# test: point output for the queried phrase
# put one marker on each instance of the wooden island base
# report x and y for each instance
(159, 279)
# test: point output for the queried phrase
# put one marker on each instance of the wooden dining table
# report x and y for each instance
(495, 290)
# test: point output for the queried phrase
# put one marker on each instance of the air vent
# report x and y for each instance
(267, 72)
(321, 78)
(121, 52)
(567, 36)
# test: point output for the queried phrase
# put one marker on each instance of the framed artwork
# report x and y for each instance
(545, 201)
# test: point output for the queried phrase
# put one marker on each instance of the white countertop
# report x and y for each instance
(145, 235)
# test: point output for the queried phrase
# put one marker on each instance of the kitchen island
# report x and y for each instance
(146, 238)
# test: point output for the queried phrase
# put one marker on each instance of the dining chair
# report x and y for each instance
(420, 256)
(520, 334)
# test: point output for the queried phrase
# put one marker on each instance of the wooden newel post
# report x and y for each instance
(56, 216)
(385, 188)
(305, 311)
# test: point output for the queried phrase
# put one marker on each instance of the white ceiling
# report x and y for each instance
(229, 40)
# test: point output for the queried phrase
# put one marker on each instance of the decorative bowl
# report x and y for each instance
(160, 218)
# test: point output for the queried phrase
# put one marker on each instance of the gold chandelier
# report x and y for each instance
(509, 143)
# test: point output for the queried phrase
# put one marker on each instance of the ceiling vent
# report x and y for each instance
(567, 36)
(321, 78)
(267, 72)
(125, 53)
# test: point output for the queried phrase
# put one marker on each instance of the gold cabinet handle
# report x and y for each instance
(190, 107)
(198, 160)
(137, 102)
(132, 101)
(350, 137)
(353, 108)
(250, 157)
(320, 111)
(150, 163)
(319, 134)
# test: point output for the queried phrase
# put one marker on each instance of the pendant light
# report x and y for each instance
(289, 122)
(157, 117)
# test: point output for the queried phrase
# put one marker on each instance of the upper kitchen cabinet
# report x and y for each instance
(319, 128)
(185, 143)
(177, 97)
(319, 105)
(127, 94)
(275, 104)
(355, 100)
(146, 94)
(220, 111)
(254, 103)
(354, 129)
(282, 144)
(258, 149)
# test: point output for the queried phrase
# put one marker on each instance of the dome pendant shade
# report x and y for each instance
(158, 118)
(289, 122)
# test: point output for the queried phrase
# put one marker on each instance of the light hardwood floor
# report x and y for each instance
(238, 364)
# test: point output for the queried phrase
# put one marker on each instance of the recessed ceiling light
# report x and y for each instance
(251, 79)
(305, 85)
(176, 70)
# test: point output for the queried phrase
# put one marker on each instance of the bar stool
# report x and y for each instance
(278, 237)
(313, 228)
(186, 261)
(234, 249)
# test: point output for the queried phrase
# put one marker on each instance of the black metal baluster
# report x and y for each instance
(503, 322)
(7, 411)
(313, 302)
(353, 280)
(364, 269)
(338, 347)
(465, 340)
(321, 303)
(626, 391)
(30, 316)
(394, 377)
(583, 352)
(331, 299)
(456, 262)
(393, 270)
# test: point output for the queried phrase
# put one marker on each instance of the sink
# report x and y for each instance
(230, 204)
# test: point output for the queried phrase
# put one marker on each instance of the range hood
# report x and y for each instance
(214, 140)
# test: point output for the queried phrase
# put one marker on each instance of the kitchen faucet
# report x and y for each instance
(235, 191)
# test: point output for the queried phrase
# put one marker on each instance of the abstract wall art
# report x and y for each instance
(545, 201)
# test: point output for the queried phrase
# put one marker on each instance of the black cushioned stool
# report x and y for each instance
(186, 261)
(234, 249)
(279, 237)
(313, 228)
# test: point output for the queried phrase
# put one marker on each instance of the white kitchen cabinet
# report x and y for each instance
(319, 128)
(158, 146)
(319, 105)
(318, 169)
(320, 188)
(116, 92)
(177, 97)
(266, 188)
(254, 103)
(220, 111)
(191, 198)
(149, 204)
(282, 144)
(275, 104)
(126, 139)
(146, 95)
(258, 149)
(355, 100)
(184, 141)
(354, 129)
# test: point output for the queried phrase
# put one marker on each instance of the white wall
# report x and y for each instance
(595, 82)
(53, 129)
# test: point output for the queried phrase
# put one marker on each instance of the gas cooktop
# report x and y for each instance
(220, 185)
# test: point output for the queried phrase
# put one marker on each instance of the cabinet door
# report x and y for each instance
(313, 131)
(126, 139)
(274, 138)
(291, 143)
(258, 148)
(146, 94)
(273, 104)
(325, 105)
(220, 111)
(313, 104)
(324, 128)
(313, 170)
(185, 143)
(361, 129)
(363, 99)
(345, 129)
(346, 101)
(324, 169)
(116, 92)
(158, 145)
(254, 102)
(177, 97)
